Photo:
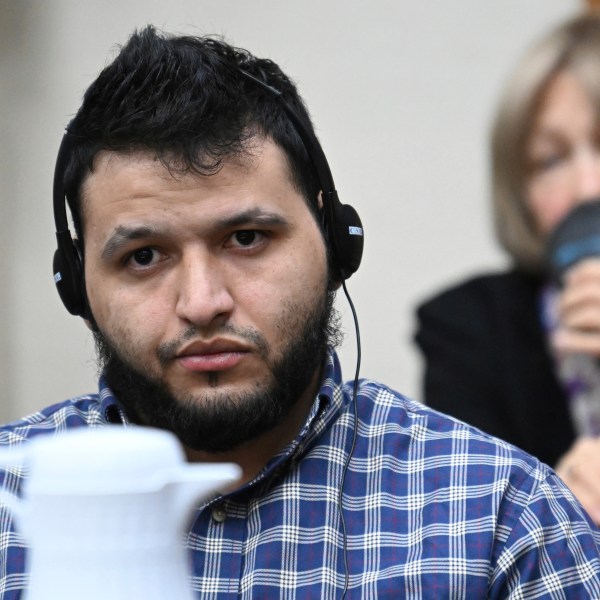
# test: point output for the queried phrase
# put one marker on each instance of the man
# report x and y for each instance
(211, 248)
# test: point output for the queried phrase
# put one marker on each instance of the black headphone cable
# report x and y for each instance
(350, 453)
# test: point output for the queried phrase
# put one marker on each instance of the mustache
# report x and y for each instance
(168, 350)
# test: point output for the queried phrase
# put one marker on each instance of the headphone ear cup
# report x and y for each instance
(68, 275)
(348, 243)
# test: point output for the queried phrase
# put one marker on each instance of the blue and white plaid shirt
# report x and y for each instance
(433, 509)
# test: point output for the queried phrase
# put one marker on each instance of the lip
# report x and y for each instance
(218, 355)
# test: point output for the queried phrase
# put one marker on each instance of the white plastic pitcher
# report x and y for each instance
(104, 511)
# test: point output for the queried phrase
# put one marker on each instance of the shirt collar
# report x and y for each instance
(333, 398)
(111, 409)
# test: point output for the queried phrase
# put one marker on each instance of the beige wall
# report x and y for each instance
(401, 93)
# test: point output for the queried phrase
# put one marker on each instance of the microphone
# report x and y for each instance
(576, 237)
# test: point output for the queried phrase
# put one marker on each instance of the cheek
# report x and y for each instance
(548, 206)
(299, 280)
(134, 327)
(306, 272)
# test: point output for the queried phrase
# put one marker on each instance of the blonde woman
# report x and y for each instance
(492, 356)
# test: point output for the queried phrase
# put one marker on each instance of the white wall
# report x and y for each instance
(402, 94)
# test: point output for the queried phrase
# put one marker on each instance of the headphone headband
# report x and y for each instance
(342, 223)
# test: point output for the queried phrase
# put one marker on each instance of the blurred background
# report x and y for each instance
(401, 93)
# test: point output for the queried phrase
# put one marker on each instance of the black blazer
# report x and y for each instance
(487, 363)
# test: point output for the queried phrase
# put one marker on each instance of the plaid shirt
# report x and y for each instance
(433, 509)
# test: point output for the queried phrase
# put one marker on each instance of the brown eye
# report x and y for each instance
(245, 238)
(143, 257)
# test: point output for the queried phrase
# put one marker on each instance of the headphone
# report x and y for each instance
(343, 227)
(67, 265)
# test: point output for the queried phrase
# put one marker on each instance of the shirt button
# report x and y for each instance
(219, 514)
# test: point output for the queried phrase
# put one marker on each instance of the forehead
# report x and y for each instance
(565, 99)
(138, 181)
(564, 114)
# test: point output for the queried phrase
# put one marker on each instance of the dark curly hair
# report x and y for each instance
(184, 99)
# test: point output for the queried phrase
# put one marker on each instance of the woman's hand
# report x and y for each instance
(579, 310)
(579, 468)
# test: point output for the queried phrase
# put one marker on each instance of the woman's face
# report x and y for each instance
(562, 153)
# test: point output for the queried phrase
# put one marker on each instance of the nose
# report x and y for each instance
(203, 296)
(588, 176)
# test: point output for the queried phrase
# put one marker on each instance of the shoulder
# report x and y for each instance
(478, 304)
(481, 288)
(424, 424)
(452, 474)
(81, 411)
(77, 412)
(469, 457)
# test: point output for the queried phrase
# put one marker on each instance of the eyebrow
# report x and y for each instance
(254, 216)
(545, 133)
(124, 234)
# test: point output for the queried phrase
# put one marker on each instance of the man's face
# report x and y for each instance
(209, 292)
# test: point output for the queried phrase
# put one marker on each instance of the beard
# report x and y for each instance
(216, 420)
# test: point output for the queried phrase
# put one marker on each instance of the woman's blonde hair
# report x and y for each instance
(574, 46)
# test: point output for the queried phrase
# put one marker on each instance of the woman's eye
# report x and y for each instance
(143, 257)
(549, 162)
(546, 163)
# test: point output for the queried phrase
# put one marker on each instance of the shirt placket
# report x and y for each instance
(216, 550)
